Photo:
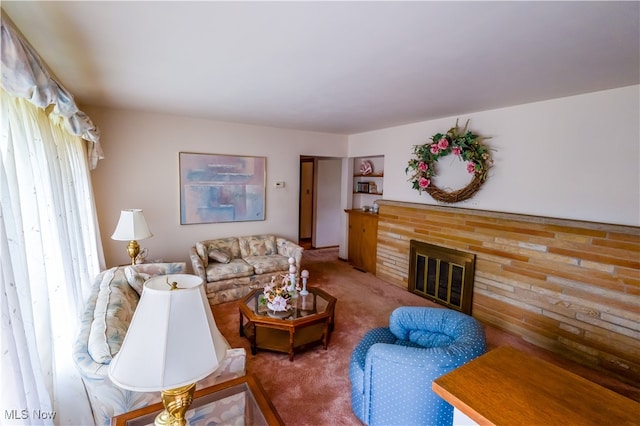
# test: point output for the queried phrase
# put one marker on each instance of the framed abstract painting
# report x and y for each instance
(221, 188)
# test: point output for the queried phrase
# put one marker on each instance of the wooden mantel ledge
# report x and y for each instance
(508, 387)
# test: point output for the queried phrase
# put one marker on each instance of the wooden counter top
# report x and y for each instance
(360, 211)
(508, 387)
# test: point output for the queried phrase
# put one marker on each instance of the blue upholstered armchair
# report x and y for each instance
(392, 368)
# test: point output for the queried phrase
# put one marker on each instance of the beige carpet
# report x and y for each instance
(314, 389)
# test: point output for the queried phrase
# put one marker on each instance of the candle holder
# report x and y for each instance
(305, 276)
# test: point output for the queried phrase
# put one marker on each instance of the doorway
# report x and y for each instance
(307, 174)
(320, 210)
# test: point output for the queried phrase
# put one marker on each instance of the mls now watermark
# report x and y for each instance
(29, 415)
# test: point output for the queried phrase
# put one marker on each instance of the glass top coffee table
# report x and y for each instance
(309, 322)
(236, 401)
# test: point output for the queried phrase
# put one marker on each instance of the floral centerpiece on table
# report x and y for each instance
(277, 296)
(465, 145)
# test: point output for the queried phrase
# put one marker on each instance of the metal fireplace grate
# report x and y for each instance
(442, 275)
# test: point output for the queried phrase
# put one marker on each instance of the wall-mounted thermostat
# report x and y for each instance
(279, 184)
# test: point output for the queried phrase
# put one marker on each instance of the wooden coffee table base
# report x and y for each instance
(302, 329)
(286, 341)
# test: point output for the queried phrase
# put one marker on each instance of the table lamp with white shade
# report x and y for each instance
(172, 342)
(131, 227)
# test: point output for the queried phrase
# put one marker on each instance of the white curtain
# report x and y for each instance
(24, 75)
(50, 250)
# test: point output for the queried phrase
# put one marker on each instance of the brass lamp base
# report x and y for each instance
(133, 249)
(176, 403)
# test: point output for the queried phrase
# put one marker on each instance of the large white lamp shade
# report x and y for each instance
(172, 340)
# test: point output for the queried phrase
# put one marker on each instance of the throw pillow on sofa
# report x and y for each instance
(137, 274)
(219, 256)
(229, 246)
(135, 279)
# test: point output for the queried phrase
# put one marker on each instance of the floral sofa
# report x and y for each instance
(232, 267)
(108, 312)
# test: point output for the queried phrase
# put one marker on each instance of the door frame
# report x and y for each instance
(306, 159)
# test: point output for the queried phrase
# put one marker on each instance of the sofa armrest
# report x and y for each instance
(290, 249)
(359, 354)
(197, 265)
(108, 400)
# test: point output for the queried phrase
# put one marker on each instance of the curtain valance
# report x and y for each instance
(24, 75)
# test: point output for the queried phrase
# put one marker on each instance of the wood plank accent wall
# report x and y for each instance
(568, 286)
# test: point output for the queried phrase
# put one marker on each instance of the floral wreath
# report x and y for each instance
(467, 146)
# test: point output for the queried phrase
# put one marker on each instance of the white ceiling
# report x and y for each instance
(339, 67)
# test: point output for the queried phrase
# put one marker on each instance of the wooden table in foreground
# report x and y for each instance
(508, 387)
(256, 407)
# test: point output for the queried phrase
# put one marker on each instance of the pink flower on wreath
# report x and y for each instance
(443, 143)
(471, 167)
(456, 150)
(423, 182)
(434, 148)
(423, 166)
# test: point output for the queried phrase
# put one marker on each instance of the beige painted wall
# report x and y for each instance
(576, 157)
(140, 170)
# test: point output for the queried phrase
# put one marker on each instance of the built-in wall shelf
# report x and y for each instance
(367, 185)
(381, 174)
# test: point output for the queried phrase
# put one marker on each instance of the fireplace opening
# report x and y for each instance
(442, 275)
